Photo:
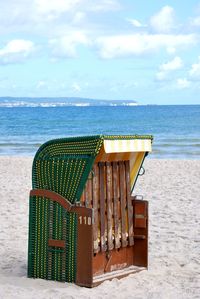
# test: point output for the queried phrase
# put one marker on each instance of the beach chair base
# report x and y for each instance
(116, 274)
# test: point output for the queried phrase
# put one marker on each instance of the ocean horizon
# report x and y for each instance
(27, 123)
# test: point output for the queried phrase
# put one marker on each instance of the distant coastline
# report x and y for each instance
(10, 102)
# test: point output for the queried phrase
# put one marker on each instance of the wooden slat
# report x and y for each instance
(95, 183)
(88, 192)
(82, 199)
(109, 204)
(115, 203)
(102, 206)
(123, 202)
(129, 203)
(56, 243)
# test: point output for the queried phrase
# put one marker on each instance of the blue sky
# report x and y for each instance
(148, 51)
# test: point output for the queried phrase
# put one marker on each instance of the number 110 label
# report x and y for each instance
(85, 220)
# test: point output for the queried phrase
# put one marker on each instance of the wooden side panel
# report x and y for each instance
(116, 260)
(102, 206)
(140, 219)
(140, 233)
(123, 202)
(95, 189)
(84, 275)
(109, 204)
(115, 203)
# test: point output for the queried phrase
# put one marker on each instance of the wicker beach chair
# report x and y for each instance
(84, 225)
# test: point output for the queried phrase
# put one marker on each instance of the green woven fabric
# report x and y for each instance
(63, 165)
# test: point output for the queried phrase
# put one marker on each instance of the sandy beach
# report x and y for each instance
(173, 190)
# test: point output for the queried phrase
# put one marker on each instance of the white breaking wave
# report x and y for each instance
(14, 104)
(40, 104)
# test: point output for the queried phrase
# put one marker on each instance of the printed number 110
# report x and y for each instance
(85, 220)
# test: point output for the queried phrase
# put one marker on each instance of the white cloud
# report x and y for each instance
(53, 9)
(54, 6)
(171, 50)
(195, 22)
(65, 46)
(168, 67)
(163, 21)
(78, 17)
(59, 7)
(195, 69)
(70, 23)
(15, 14)
(174, 64)
(183, 83)
(135, 23)
(16, 51)
(138, 44)
(103, 5)
(76, 87)
(160, 76)
(41, 84)
(49, 16)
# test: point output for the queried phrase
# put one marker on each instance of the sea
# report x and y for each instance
(24, 127)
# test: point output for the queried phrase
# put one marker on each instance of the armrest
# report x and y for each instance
(53, 196)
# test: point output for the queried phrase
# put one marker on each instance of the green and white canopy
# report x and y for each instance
(63, 165)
